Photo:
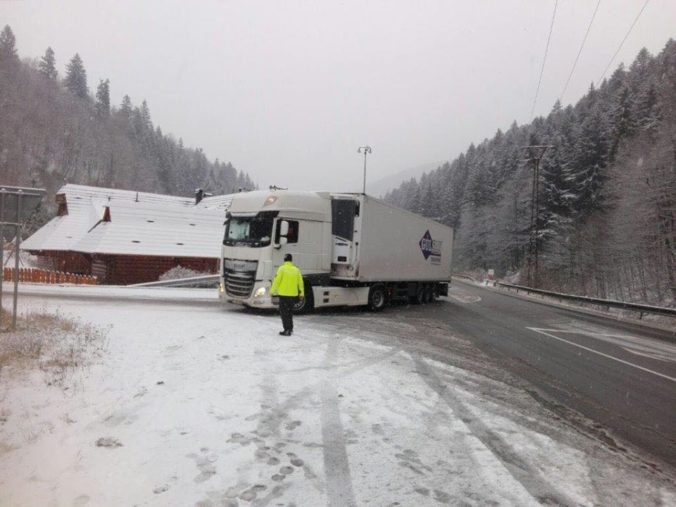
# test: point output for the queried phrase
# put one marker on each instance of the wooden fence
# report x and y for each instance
(44, 276)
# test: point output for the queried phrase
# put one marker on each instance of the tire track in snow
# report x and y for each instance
(336, 465)
(526, 474)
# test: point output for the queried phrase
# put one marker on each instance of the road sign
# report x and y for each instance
(17, 204)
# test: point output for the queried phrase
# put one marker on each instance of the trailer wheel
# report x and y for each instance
(377, 298)
(428, 294)
(307, 304)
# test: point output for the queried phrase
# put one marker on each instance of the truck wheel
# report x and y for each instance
(419, 297)
(307, 304)
(377, 298)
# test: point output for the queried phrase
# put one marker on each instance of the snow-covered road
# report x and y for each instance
(196, 405)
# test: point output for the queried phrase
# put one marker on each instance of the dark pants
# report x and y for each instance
(286, 311)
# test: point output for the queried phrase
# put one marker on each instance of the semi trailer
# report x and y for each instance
(352, 249)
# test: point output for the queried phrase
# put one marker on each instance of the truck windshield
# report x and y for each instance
(249, 231)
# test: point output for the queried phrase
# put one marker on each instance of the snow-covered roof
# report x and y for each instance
(140, 224)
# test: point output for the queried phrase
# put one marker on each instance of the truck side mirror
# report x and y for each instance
(284, 228)
(282, 241)
(281, 236)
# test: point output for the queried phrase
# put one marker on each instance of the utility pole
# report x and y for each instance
(534, 154)
(2, 251)
(365, 150)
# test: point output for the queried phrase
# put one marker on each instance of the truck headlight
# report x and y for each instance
(260, 292)
(221, 289)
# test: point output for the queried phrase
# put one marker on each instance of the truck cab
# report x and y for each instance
(261, 227)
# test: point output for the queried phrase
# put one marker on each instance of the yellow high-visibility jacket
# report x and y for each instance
(288, 281)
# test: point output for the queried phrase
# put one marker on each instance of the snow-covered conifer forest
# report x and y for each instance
(56, 129)
(607, 190)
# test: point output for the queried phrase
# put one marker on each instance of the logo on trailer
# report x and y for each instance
(430, 247)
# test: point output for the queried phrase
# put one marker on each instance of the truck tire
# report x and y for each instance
(419, 297)
(377, 298)
(428, 294)
(307, 304)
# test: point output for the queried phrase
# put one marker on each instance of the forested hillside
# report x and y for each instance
(55, 130)
(607, 191)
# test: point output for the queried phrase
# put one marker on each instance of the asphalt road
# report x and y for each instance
(621, 376)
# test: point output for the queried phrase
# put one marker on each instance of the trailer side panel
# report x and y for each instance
(397, 245)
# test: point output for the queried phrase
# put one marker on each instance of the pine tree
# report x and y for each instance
(145, 116)
(590, 163)
(647, 111)
(8, 54)
(429, 206)
(76, 77)
(103, 99)
(47, 65)
(126, 106)
(621, 120)
(141, 121)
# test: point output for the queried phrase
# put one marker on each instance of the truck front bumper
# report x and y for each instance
(260, 297)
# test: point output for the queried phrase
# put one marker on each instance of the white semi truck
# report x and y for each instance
(352, 250)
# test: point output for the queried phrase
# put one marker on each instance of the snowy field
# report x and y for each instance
(193, 404)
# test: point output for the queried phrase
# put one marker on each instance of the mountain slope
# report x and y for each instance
(388, 183)
(53, 131)
(606, 221)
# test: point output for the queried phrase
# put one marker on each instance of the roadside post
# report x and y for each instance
(16, 206)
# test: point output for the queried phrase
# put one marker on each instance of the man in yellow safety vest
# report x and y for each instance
(288, 285)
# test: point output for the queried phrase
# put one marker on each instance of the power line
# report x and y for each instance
(623, 40)
(544, 60)
(584, 40)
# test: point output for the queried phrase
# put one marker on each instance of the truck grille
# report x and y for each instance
(239, 278)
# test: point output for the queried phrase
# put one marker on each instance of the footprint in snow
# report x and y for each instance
(160, 489)
(292, 425)
(109, 442)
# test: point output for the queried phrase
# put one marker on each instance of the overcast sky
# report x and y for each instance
(287, 90)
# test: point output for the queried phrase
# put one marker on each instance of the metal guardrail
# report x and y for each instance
(182, 282)
(594, 301)
(462, 275)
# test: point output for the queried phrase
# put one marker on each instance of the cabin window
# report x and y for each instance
(292, 235)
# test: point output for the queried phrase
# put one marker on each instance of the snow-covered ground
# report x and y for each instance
(193, 404)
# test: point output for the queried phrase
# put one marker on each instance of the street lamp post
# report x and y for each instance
(365, 150)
